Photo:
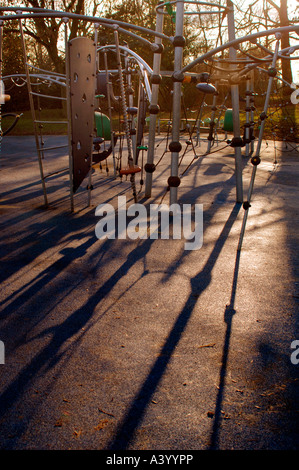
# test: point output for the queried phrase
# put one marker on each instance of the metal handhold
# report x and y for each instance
(206, 88)
(132, 110)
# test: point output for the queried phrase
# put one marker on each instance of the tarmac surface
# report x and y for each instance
(141, 344)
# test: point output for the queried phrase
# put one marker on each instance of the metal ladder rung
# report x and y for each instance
(48, 96)
(51, 122)
(48, 72)
(52, 148)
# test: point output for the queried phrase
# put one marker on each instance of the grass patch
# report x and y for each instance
(281, 123)
(25, 124)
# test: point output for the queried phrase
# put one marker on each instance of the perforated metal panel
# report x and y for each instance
(82, 60)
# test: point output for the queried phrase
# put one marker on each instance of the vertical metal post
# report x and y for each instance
(177, 87)
(33, 114)
(235, 105)
(203, 104)
(252, 107)
(256, 158)
(248, 116)
(139, 119)
(267, 99)
(68, 110)
(212, 123)
(154, 103)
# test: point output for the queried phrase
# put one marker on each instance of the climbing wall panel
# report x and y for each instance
(82, 69)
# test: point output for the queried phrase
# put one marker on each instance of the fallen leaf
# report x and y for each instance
(105, 412)
(225, 415)
(102, 424)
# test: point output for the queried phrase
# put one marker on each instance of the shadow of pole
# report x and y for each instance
(199, 283)
(73, 325)
(228, 318)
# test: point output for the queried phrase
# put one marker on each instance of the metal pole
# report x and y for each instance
(212, 123)
(199, 122)
(68, 104)
(177, 87)
(266, 104)
(235, 104)
(252, 106)
(153, 107)
(256, 159)
(248, 116)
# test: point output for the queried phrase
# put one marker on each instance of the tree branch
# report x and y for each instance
(35, 36)
(274, 5)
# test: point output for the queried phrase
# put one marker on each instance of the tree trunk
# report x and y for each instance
(285, 41)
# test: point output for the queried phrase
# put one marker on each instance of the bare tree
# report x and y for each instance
(282, 11)
(265, 15)
(46, 32)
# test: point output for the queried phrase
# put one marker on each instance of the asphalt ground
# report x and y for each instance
(141, 344)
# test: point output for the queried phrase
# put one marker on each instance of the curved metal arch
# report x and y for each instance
(132, 53)
(10, 128)
(46, 78)
(235, 42)
(141, 63)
